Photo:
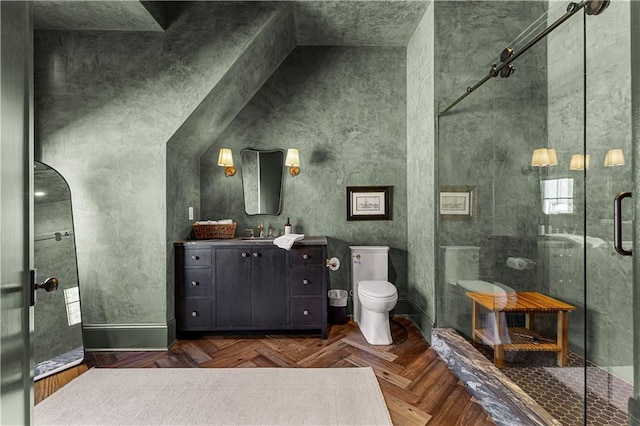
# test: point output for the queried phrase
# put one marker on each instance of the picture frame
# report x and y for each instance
(457, 202)
(369, 202)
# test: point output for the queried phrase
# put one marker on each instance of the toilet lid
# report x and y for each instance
(377, 289)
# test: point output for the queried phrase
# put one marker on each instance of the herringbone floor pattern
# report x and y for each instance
(417, 385)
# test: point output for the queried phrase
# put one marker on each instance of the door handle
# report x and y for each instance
(49, 285)
(617, 223)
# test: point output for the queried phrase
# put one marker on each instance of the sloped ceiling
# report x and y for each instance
(357, 23)
(318, 22)
(115, 15)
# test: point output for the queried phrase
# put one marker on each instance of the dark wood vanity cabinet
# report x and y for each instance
(244, 285)
(251, 287)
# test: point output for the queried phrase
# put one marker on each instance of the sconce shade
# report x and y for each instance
(293, 158)
(579, 162)
(293, 162)
(553, 157)
(614, 157)
(540, 157)
(225, 159)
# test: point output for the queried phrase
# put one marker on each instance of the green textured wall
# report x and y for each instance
(344, 108)
(421, 173)
(107, 104)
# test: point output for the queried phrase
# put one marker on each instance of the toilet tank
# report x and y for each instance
(369, 263)
(460, 263)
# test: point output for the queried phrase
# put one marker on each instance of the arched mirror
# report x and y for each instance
(262, 181)
(58, 340)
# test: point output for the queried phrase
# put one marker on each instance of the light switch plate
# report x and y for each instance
(190, 213)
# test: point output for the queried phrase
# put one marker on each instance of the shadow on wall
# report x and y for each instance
(321, 155)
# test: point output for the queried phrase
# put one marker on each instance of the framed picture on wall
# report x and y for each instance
(369, 202)
(457, 202)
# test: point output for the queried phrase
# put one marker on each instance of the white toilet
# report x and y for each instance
(373, 296)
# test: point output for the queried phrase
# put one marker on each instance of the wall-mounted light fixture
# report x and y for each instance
(614, 157)
(543, 157)
(293, 162)
(579, 162)
(225, 159)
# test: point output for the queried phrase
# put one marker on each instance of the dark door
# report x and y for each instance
(268, 287)
(233, 287)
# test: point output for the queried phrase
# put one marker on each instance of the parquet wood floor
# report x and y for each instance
(417, 385)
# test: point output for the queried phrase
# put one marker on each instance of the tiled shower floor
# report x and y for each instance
(560, 389)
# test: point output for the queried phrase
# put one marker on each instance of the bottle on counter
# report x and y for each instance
(287, 227)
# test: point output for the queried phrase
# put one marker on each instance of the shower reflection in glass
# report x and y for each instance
(58, 342)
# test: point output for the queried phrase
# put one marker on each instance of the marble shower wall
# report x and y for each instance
(107, 104)
(344, 108)
(421, 173)
(486, 141)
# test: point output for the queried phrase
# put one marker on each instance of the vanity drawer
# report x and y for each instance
(196, 257)
(193, 282)
(194, 314)
(306, 311)
(306, 282)
(301, 256)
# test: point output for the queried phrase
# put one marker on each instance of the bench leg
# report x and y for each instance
(562, 340)
(499, 334)
(475, 322)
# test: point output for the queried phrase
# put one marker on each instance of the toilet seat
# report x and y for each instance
(377, 289)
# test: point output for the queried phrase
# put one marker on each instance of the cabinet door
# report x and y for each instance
(233, 287)
(268, 287)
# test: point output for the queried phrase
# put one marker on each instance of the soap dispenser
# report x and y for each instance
(287, 227)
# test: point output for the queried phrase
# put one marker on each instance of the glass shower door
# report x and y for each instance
(543, 223)
(608, 274)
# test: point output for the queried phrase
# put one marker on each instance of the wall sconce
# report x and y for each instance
(543, 157)
(579, 162)
(293, 162)
(614, 157)
(225, 159)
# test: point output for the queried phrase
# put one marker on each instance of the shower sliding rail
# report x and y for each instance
(508, 55)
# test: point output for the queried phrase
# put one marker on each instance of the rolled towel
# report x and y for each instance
(286, 241)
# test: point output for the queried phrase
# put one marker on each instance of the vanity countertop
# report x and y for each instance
(308, 241)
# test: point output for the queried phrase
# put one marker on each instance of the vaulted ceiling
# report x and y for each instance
(344, 23)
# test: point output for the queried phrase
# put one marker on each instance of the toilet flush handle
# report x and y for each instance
(356, 258)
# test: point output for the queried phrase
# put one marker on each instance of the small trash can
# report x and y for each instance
(338, 306)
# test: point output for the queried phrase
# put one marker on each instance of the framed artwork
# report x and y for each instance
(458, 202)
(369, 202)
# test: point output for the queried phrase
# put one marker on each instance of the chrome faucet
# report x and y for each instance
(261, 230)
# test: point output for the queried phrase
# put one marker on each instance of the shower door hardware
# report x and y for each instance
(617, 223)
(509, 54)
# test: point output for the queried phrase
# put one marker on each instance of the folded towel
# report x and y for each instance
(215, 222)
(286, 241)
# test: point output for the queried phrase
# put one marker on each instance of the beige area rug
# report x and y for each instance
(214, 396)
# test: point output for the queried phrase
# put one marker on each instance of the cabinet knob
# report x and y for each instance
(195, 257)
(255, 254)
(245, 254)
(194, 283)
(305, 256)
(194, 314)
(306, 312)
(305, 281)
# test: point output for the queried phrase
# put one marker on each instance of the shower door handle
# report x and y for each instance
(617, 223)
